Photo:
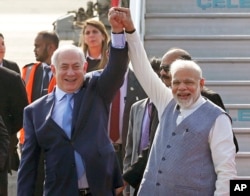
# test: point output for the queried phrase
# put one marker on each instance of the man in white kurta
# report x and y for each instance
(177, 158)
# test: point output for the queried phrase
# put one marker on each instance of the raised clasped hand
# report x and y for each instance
(122, 17)
(115, 19)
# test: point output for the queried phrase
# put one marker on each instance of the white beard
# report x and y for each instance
(185, 103)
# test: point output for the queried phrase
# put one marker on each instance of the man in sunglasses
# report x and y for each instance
(169, 57)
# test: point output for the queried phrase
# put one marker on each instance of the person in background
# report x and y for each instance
(12, 102)
(39, 81)
(143, 121)
(177, 53)
(79, 157)
(34, 74)
(13, 166)
(130, 92)
(94, 43)
(4, 150)
(3, 62)
(193, 152)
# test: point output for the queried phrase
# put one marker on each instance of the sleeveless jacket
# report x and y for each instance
(181, 162)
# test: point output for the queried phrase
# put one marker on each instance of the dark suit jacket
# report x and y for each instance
(4, 147)
(89, 137)
(216, 99)
(11, 65)
(134, 93)
(133, 174)
(13, 139)
(213, 96)
(12, 103)
(13, 100)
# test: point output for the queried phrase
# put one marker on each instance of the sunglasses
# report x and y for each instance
(165, 68)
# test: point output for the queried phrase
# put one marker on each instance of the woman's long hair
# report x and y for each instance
(100, 26)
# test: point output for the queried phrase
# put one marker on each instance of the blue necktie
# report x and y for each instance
(67, 116)
(46, 80)
(67, 121)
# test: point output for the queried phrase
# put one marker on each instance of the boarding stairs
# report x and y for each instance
(217, 35)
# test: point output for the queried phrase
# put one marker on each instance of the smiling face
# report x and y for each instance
(186, 85)
(69, 71)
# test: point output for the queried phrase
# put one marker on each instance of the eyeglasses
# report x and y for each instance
(165, 68)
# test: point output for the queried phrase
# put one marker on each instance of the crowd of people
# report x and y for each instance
(90, 124)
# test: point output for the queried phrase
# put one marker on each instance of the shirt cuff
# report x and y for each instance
(118, 40)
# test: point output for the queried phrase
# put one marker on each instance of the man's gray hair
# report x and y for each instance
(185, 64)
(65, 48)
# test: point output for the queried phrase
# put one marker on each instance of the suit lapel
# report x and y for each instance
(50, 103)
(82, 108)
(140, 115)
(131, 87)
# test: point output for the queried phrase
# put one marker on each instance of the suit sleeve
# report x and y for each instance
(112, 76)
(18, 100)
(129, 143)
(4, 145)
(30, 157)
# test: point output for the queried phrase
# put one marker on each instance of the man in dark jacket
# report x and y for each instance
(4, 146)
(12, 103)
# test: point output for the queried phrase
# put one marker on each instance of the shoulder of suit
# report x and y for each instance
(93, 73)
(31, 64)
(206, 90)
(139, 102)
(9, 62)
(8, 73)
(38, 103)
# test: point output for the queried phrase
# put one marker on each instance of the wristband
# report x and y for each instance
(130, 32)
(118, 32)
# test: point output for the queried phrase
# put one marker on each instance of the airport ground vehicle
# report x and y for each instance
(68, 26)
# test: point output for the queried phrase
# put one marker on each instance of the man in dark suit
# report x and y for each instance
(3, 62)
(86, 140)
(12, 103)
(131, 91)
(4, 148)
(13, 140)
(143, 120)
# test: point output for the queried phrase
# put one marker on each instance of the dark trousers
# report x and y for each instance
(120, 160)
(4, 183)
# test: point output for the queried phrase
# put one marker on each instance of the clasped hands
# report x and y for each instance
(120, 19)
